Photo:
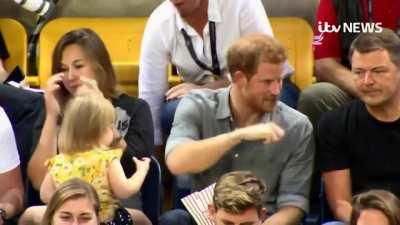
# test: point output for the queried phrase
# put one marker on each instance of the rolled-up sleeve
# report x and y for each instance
(295, 179)
(186, 125)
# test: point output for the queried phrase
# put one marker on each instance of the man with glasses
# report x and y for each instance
(359, 143)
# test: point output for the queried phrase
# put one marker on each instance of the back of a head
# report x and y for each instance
(373, 41)
(246, 53)
(381, 200)
(85, 121)
(238, 191)
(69, 190)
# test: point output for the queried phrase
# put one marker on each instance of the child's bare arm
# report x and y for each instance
(47, 188)
(123, 187)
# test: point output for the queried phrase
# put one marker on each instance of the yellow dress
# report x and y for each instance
(91, 166)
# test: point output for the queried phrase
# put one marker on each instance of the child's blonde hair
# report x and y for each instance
(85, 121)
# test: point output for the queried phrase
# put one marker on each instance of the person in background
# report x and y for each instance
(335, 85)
(11, 185)
(194, 36)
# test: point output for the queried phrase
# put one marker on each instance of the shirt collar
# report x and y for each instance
(214, 14)
(224, 109)
(214, 11)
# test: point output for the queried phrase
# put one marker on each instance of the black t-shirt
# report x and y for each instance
(135, 124)
(350, 138)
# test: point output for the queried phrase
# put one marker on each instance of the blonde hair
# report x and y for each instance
(71, 189)
(238, 191)
(85, 121)
(246, 53)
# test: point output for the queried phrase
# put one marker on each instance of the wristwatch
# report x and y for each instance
(3, 214)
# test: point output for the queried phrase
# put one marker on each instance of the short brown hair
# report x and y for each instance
(246, 53)
(85, 120)
(385, 40)
(93, 48)
(71, 189)
(381, 200)
(238, 191)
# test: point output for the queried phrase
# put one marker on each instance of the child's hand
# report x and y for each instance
(142, 164)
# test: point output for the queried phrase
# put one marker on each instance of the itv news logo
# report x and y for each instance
(355, 27)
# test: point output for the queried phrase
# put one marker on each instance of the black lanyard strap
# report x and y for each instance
(370, 11)
(214, 57)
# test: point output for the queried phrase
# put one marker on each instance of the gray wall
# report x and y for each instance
(133, 8)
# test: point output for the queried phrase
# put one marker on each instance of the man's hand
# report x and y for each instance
(266, 132)
(180, 90)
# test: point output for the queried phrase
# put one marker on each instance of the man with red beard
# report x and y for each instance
(245, 127)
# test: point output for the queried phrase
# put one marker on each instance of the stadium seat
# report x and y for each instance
(151, 192)
(122, 37)
(16, 40)
(297, 35)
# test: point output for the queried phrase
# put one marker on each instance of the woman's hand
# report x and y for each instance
(55, 95)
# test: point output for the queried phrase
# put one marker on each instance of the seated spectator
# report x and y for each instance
(194, 36)
(79, 55)
(331, 49)
(238, 199)
(11, 187)
(91, 151)
(74, 202)
(358, 143)
(375, 207)
(245, 127)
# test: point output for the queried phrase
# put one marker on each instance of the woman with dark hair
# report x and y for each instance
(81, 56)
(375, 207)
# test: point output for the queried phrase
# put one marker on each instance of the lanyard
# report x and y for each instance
(215, 69)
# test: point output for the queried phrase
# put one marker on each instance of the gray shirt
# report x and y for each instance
(286, 166)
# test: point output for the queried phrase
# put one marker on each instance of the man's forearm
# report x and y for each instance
(197, 156)
(12, 202)
(342, 211)
(46, 148)
(330, 70)
(287, 215)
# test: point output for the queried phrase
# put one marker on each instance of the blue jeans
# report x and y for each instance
(176, 217)
(290, 93)
(334, 223)
(167, 116)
